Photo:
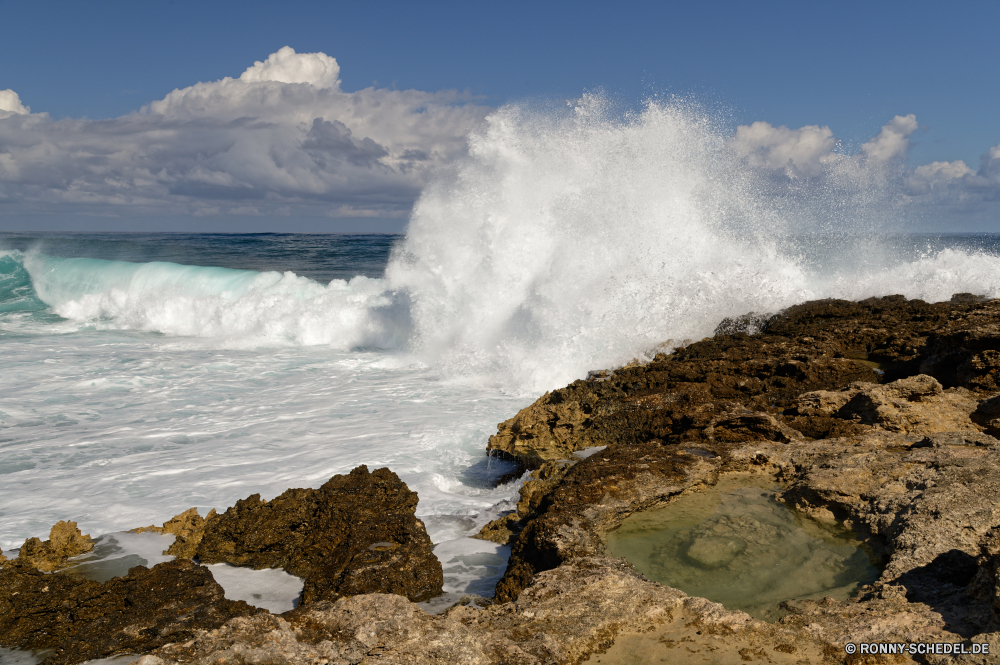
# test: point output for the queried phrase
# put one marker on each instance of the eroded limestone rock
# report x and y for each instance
(189, 529)
(65, 540)
(79, 619)
(914, 405)
(355, 534)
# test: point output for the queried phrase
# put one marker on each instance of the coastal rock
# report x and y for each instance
(589, 609)
(987, 415)
(356, 534)
(985, 586)
(916, 405)
(551, 428)
(823, 345)
(79, 619)
(566, 615)
(966, 351)
(189, 529)
(65, 540)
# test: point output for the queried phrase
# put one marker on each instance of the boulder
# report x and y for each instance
(356, 534)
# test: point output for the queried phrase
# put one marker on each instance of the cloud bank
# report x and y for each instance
(284, 140)
(811, 154)
(281, 138)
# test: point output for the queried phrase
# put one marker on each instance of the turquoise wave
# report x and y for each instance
(17, 293)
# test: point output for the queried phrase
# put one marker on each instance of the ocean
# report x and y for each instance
(143, 374)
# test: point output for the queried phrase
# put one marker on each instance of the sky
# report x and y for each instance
(121, 115)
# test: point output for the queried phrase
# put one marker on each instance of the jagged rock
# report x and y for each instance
(966, 351)
(189, 527)
(916, 405)
(821, 345)
(987, 415)
(503, 529)
(65, 540)
(79, 619)
(355, 534)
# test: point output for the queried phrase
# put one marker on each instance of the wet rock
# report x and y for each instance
(715, 551)
(79, 620)
(822, 345)
(189, 529)
(532, 493)
(593, 497)
(355, 534)
(65, 540)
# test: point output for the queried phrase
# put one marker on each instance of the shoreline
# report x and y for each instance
(874, 415)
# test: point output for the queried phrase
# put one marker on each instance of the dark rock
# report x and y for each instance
(821, 345)
(355, 534)
(987, 415)
(79, 619)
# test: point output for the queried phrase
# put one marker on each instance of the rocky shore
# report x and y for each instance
(878, 416)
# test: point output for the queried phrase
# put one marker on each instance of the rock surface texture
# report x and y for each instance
(65, 540)
(76, 619)
(188, 527)
(355, 534)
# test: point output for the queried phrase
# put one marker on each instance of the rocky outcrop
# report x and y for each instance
(569, 613)
(899, 455)
(65, 540)
(823, 345)
(916, 404)
(876, 415)
(78, 619)
(355, 534)
(189, 529)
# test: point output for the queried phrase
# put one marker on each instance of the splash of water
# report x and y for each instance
(567, 240)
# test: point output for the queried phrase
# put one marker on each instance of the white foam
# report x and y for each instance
(114, 554)
(471, 567)
(19, 657)
(271, 589)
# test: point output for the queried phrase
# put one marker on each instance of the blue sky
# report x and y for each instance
(848, 66)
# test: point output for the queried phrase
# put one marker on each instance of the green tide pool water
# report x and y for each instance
(735, 544)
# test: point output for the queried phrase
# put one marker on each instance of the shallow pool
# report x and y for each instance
(736, 545)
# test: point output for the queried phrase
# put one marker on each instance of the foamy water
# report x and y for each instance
(566, 241)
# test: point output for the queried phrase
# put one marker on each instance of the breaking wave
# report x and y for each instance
(567, 240)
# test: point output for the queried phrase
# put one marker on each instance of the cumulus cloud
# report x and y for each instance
(10, 104)
(955, 186)
(798, 152)
(811, 151)
(279, 139)
(893, 141)
(810, 161)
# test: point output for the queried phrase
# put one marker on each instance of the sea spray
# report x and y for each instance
(579, 239)
(567, 240)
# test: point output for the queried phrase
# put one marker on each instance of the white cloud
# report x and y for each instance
(287, 66)
(10, 104)
(281, 138)
(798, 152)
(939, 174)
(811, 151)
(893, 141)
